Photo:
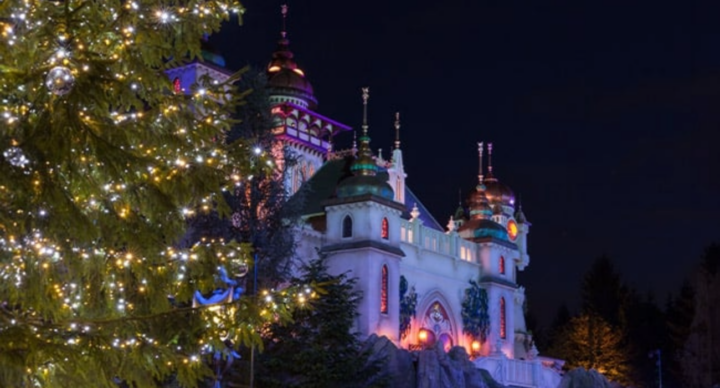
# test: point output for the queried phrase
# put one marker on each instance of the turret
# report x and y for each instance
(396, 172)
(363, 236)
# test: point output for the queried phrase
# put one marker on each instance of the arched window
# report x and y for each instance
(503, 322)
(347, 227)
(384, 290)
(501, 265)
(177, 87)
(385, 232)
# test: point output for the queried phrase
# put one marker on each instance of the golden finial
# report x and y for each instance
(397, 130)
(490, 174)
(480, 154)
(284, 12)
(365, 97)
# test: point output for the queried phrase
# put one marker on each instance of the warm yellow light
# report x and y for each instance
(299, 72)
(273, 69)
(475, 346)
(422, 335)
(512, 229)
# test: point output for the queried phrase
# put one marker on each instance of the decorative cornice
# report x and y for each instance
(355, 245)
(496, 241)
(364, 199)
(494, 280)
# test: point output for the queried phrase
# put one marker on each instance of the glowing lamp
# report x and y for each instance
(423, 336)
(475, 346)
(298, 71)
(512, 229)
(273, 69)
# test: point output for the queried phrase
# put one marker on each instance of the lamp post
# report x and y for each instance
(658, 353)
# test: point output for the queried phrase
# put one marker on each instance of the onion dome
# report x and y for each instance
(364, 180)
(211, 54)
(479, 204)
(484, 228)
(498, 193)
(489, 228)
(286, 79)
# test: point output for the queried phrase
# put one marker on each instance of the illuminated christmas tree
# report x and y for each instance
(102, 163)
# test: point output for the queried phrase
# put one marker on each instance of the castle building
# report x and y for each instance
(360, 212)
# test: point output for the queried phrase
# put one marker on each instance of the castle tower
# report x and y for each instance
(492, 226)
(396, 172)
(363, 236)
(211, 64)
(306, 134)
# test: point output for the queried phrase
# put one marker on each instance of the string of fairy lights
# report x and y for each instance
(188, 130)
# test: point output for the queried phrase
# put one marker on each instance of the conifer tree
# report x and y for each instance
(602, 291)
(589, 342)
(101, 164)
(700, 357)
(679, 314)
(262, 214)
(319, 348)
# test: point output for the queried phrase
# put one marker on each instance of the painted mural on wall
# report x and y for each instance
(437, 322)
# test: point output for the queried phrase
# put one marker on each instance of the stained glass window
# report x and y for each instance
(501, 265)
(384, 291)
(385, 233)
(503, 328)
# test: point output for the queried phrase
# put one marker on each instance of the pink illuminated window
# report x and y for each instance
(176, 85)
(501, 265)
(385, 233)
(384, 291)
(503, 328)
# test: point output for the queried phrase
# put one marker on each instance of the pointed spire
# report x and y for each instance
(519, 214)
(480, 157)
(490, 176)
(397, 130)
(284, 12)
(365, 97)
(282, 58)
(364, 164)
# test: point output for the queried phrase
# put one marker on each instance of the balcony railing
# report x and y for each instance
(414, 233)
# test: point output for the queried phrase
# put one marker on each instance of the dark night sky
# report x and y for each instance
(604, 115)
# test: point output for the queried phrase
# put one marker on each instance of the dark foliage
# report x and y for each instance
(408, 304)
(320, 348)
(602, 291)
(262, 215)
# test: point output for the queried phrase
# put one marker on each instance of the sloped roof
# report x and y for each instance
(321, 186)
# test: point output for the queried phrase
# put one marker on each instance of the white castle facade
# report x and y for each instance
(363, 216)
